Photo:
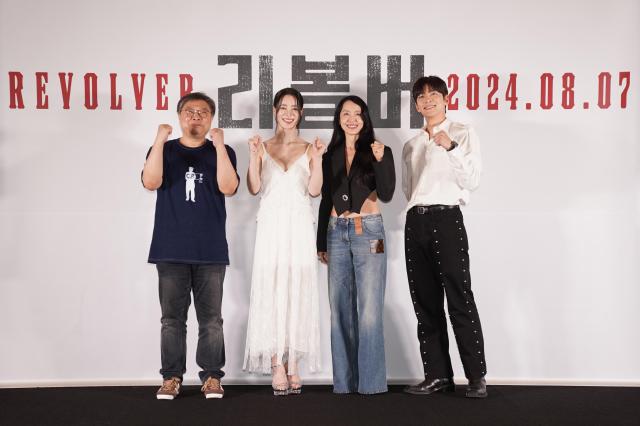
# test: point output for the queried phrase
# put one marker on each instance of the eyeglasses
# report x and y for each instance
(190, 113)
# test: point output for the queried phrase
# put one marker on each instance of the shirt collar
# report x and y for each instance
(442, 126)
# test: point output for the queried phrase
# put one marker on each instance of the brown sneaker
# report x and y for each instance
(212, 388)
(170, 388)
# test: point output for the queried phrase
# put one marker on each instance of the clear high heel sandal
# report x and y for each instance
(295, 384)
(280, 388)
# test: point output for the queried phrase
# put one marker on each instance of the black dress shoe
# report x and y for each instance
(477, 388)
(430, 386)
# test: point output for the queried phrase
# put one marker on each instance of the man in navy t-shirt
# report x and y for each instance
(191, 175)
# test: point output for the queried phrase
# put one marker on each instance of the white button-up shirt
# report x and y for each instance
(433, 175)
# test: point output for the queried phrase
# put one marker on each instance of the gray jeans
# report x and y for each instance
(176, 281)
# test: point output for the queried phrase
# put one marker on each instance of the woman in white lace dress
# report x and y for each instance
(283, 314)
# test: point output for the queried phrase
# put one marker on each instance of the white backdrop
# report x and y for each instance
(553, 228)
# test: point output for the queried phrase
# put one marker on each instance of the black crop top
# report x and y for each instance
(348, 193)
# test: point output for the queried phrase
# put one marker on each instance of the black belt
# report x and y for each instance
(432, 208)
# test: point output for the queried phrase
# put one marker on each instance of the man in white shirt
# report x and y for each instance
(440, 167)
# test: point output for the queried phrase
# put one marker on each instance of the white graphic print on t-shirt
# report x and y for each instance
(191, 177)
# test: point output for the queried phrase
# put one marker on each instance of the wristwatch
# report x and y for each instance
(453, 145)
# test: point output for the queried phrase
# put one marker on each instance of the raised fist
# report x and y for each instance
(217, 137)
(378, 150)
(164, 130)
(442, 139)
(317, 148)
(255, 145)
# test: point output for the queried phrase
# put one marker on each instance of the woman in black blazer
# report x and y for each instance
(357, 172)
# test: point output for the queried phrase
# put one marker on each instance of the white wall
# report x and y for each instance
(554, 227)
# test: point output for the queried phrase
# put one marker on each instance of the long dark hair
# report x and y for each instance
(365, 138)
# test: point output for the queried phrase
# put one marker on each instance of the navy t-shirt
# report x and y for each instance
(190, 211)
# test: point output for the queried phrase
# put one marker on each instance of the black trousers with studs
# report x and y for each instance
(437, 259)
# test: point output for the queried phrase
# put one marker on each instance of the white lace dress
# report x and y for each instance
(283, 312)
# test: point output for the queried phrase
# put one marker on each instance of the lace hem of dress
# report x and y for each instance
(261, 362)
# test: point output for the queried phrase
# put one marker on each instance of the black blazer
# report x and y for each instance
(350, 192)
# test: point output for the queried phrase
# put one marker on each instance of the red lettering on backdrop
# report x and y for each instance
(186, 84)
(116, 100)
(161, 92)
(91, 90)
(15, 90)
(65, 88)
(604, 90)
(452, 81)
(493, 79)
(568, 96)
(473, 92)
(138, 88)
(608, 92)
(546, 90)
(626, 76)
(512, 90)
(42, 102)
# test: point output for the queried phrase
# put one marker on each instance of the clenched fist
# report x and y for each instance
(317, 149)
(323, 257)
(217, 137)
(255, 145)
(164, 130)
(442, 139)
(378, 150)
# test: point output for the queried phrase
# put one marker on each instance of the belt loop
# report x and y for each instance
(358, 223)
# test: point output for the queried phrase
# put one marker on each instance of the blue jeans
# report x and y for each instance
(176, 281)
(357, 275)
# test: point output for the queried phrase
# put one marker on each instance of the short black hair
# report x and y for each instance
(277, 99)
(433, 82)
(197, 96)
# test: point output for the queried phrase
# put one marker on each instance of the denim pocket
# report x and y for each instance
(373, 226)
